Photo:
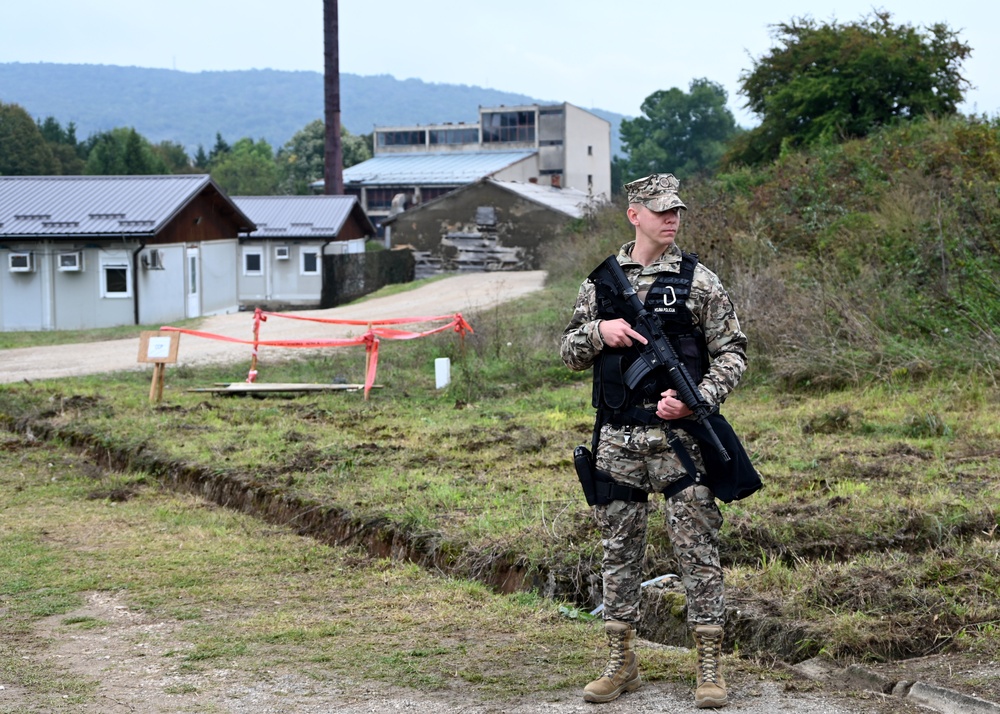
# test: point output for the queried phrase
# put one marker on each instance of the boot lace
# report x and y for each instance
(708, 653)
(617, 658)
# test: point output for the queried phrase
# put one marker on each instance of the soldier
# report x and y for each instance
(635, 428)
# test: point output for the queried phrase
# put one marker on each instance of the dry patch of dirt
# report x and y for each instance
(139, 666)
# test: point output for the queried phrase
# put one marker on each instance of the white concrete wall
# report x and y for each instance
(584, 130)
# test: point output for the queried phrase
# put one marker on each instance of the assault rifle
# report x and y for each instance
(657, 352)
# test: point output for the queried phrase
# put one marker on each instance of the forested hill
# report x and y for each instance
(189, 108)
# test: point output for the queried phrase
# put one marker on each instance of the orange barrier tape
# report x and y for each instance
(369, 339)
(388, 321)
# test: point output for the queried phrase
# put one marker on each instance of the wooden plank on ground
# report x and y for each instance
(261, 387)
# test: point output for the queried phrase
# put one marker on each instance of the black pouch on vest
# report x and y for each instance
(609, 383)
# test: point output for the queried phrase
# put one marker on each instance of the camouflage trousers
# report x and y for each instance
(640, 457)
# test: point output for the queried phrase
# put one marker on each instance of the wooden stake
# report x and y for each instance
(368, 358)
(252, 374)
(156, 387)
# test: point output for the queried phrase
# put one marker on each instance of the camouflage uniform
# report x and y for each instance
(639, 456)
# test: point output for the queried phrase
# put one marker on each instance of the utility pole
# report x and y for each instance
(333, 155)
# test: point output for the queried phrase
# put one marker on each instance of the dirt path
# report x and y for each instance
(129, 656)
(463, 293)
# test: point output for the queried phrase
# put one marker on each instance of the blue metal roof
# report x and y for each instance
(300, 216)
(424, 169)
(97, 205)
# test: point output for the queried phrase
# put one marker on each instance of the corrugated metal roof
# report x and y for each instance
(298, 216)
(423, 169)
(570, 201)
(95, 205)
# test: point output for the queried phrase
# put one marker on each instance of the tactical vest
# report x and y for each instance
(667, 299)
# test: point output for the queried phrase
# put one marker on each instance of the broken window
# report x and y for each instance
(508, 127)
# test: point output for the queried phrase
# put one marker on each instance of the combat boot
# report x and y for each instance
(622, 672)
(711, 690)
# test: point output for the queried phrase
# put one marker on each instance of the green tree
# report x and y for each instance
(201, 159)
(174, 156)
(133, 156)
(23, 149)
(247, 169)
(52, 130)
(301, 159)
(122, 152)
(220, 149)
(65, 148)
(356, 147)
(68, 160)
(828, 82)
(684, 133)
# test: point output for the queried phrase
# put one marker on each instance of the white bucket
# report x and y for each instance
(442, 372)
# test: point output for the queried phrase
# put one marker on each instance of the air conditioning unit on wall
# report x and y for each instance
(281, 252)
(71, 262)
(21, 262)
(152, 260)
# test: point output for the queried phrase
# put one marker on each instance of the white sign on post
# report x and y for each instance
(158, 347)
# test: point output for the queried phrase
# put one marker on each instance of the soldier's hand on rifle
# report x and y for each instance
(670, 407)
(618, 333)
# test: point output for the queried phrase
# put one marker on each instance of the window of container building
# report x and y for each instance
(454, 136)
(309, 261)
(402, 138)
(115, 282)
(508, 126)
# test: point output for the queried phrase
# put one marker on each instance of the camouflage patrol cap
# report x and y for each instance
(657, 192)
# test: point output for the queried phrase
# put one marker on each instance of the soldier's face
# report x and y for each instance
(660, 227)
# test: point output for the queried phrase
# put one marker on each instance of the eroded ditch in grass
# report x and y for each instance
(756, 624)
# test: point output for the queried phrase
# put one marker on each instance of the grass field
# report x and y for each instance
(874, 538)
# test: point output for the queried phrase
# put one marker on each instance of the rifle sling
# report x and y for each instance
(682, 454)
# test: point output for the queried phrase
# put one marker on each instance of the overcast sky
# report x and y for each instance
(587, 52)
